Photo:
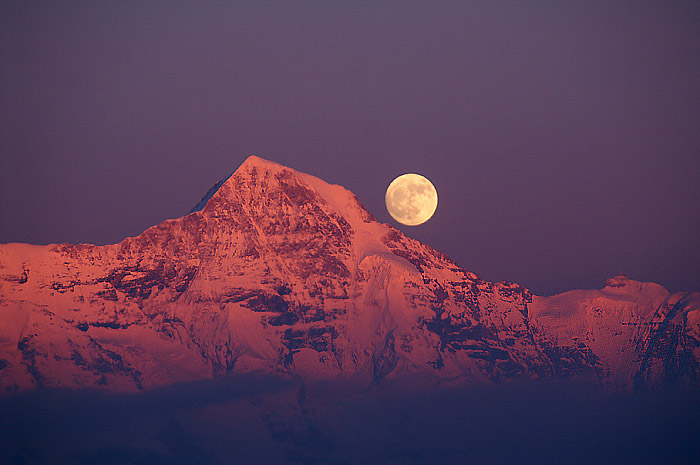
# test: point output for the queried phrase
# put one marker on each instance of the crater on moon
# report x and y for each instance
(411, 199)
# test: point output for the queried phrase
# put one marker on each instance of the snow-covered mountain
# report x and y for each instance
(642, 336)
(279, 272)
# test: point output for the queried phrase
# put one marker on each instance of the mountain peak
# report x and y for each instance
(621, 280)
(250, 163)
(258, 162)
(263, 184)
(259, 185)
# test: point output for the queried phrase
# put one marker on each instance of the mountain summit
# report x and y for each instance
(278, 271)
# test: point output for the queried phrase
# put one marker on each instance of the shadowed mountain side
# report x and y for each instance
(282, 273)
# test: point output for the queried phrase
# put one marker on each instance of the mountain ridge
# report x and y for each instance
(283, 273)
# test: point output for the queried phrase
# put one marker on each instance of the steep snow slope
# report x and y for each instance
(281, 272)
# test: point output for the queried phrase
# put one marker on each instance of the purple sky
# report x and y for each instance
(563, 137)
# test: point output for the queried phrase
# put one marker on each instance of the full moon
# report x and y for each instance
(411, 199)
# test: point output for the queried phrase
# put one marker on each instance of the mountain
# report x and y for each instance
(642, 336)
(278, 272)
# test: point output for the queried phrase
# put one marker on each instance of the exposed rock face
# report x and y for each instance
(278, 271)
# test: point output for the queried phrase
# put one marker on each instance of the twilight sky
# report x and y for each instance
(563, 137)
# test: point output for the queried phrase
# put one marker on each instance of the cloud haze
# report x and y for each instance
(260, 420)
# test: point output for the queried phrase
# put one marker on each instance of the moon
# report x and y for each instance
(411, 199)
